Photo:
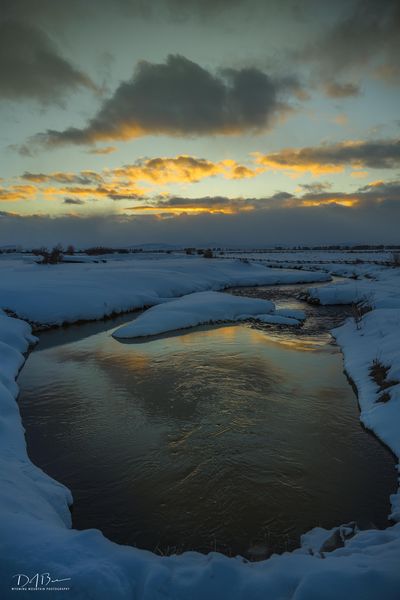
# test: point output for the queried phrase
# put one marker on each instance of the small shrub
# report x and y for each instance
(53, 257)
(358, 310)
(379, 373)
(208, 253)
(385, 397)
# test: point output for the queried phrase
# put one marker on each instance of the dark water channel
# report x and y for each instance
(233, 438)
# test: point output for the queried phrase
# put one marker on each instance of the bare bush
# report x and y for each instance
(359, 309)
(379, 373)
(53, 257)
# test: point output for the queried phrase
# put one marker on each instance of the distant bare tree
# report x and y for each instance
(208, 253)
(53, 257)
(97, 250)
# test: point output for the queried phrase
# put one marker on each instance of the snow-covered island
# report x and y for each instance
(35, 521)
(205, 308)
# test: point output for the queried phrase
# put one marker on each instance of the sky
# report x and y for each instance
(199, 122)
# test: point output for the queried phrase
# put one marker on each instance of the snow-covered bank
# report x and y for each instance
(379, 290)
(203, 308)
(35, 534)
(371, 347)
(371, 351)
(66, 293)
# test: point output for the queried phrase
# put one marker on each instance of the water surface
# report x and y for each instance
(228, 438)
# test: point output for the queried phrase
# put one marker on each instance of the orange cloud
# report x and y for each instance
(17, 192)
(181, 210)
(359, 174)
(183, 169)
(377, 183)
(334, 158)
(208, 204)
(294, 161)
(121, 183)
(103, 191)
(349, 202)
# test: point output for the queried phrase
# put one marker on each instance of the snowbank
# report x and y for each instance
(191, 310)
(371, 348)
(206, 307)
(35, 521)
(66, 293)
(371, 351)
(380, 291)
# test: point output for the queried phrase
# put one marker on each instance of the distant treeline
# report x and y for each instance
(99, 250)
(70, 250)
(337, 247)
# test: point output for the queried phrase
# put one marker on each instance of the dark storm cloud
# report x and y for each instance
(208, 203)
(378, 193)
(213, 203)
(73, 11)
(32, 67)
(381, 191)
(366, 36)
(315, 187)
(50, 9)
(216, 10)
(156, 10)
(82, 178)
(325, 224)
(378, 154)
(73, 201)
(181, 98)
(104, 150)
(124, 196)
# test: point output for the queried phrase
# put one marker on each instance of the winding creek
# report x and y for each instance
(236, 438)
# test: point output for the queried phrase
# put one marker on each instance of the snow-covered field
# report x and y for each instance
(346, 263)
(66, 293)
(35, 523)
(318, 256)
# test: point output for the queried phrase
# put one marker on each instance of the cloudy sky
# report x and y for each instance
(240, 122)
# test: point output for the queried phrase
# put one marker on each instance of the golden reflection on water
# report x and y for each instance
(227, 334)
(214, 431)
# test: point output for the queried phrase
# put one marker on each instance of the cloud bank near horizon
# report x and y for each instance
(371, 221)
